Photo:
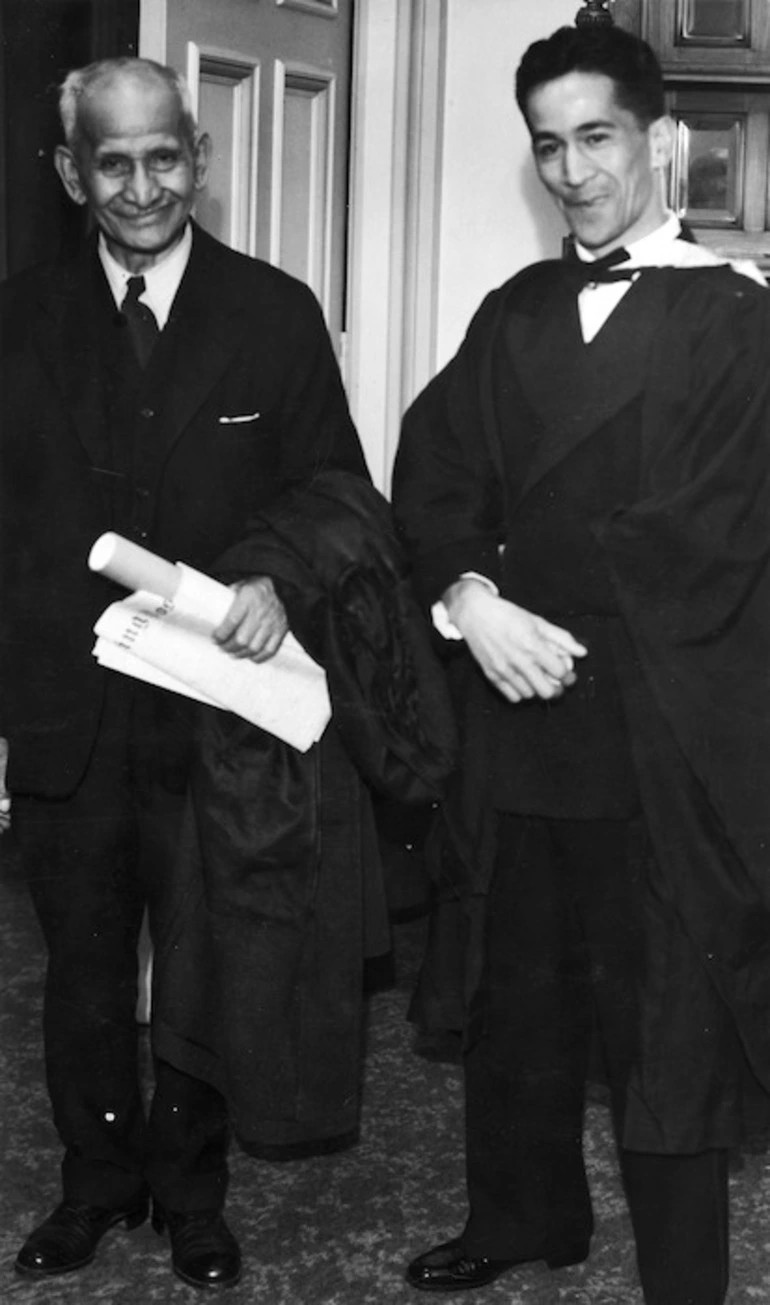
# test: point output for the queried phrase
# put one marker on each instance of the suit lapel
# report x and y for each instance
(78, 311)
(575, 388)
(203, 331)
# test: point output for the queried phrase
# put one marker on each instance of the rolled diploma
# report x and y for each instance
(270, 695)
(133, 566)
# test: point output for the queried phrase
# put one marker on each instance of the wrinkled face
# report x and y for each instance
(596, 160)
(135, 167)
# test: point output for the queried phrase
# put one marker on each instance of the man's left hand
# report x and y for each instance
(256, 622)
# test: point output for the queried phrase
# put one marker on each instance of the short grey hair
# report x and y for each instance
(81, 82)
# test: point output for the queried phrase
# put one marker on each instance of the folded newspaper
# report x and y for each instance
(162, 633)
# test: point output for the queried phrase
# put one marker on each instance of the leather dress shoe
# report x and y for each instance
(449, 1267)
(204, 1252)
(68, 1238)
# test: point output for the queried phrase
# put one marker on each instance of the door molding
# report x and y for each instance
(318, 90)
(153, 26)
(239, 78)
(399, 60)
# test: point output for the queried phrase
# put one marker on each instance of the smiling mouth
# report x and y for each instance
(145, 219)
(585, 203)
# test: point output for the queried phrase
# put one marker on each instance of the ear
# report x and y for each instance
(662, 134)
(69, 174)
(201, 160)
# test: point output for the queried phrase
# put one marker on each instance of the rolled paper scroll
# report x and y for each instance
(133, 566)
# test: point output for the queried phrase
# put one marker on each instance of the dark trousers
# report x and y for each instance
(93, 862)
(563, 956)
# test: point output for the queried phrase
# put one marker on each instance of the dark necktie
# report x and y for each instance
(600, 271)
(142, 324)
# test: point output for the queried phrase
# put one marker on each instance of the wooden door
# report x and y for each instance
(271, 83)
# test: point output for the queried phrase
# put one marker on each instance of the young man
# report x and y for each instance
(584, 493)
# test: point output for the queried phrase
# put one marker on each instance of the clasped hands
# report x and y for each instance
(523, 655)
(256, 622)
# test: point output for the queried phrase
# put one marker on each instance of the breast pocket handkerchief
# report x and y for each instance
(239, 420)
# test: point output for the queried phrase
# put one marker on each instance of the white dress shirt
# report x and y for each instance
(161, 281)
(662, 248)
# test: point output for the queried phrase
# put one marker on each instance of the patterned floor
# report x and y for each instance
(330, 1231)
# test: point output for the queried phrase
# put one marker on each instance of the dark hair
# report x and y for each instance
(626, 59)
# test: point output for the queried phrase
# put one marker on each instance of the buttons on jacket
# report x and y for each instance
(143, 444)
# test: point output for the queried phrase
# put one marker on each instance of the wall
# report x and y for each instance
(494, 216)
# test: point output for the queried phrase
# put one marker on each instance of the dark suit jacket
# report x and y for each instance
(243, 340)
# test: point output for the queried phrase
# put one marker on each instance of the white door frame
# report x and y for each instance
(395, 190)
(153, 20)
(399, 54)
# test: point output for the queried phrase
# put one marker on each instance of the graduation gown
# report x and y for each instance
(621, 489)
(278, 894)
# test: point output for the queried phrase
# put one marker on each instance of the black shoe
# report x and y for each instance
(449, 1267)
(69, 1237)
(204, 1252)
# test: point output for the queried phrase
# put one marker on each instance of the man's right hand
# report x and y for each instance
(5, 797)
(523, 655)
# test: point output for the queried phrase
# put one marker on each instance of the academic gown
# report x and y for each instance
(277, 894)
(667, 560)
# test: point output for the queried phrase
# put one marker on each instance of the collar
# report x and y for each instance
(161, 281)
(664, 247)
(653, 250)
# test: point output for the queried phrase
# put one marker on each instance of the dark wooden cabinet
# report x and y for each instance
(721, 169)
(718, 39)
(716, 61)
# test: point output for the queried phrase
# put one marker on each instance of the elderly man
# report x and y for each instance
(584, 492)
(162, 386)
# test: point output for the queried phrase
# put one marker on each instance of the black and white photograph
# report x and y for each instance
(385, 652)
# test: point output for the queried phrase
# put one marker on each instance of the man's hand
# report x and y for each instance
(5, 797)
(523, 655)
(256, 622)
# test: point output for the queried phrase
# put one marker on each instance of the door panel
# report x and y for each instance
(270, 80)
(226, 95)
(303, 175)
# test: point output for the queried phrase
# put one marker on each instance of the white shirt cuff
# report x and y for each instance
(440, 615)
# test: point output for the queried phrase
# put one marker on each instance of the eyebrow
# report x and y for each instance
(127, 152)
(604, 124)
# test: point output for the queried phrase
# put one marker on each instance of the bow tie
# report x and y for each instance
(602, 271)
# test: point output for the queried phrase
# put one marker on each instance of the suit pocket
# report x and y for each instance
(240, 420)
